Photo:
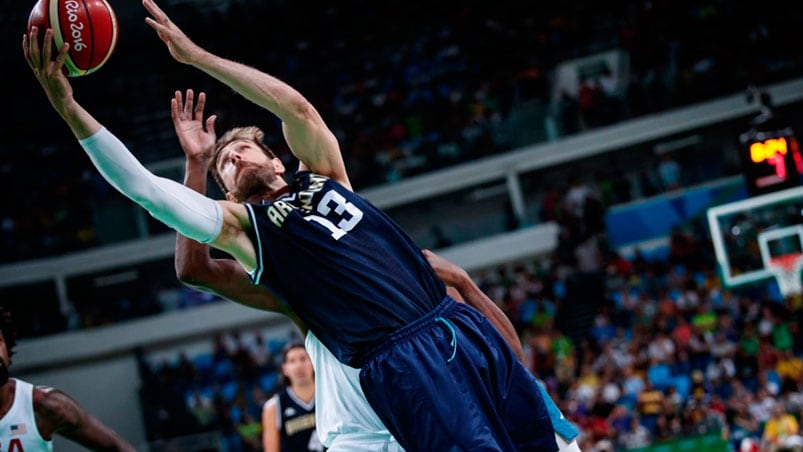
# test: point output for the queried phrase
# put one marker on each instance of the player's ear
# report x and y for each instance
(278, 166)
(230, 197)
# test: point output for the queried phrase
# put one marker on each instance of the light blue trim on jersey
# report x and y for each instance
(560, 424)
(453, 343)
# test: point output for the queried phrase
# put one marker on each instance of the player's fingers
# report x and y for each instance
(150, 7)
(177, 97)
(155, 11)
(62, 56)
(199, 107)
(178, 101)
(156, 26)
(188, 104)
(26, 50)
(210, 124)
(174, 110)
(33, 51)
(47, 46)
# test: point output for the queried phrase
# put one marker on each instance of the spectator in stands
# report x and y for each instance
(682, 248)
(741, 424)
(588, 98)
(568, 112)
(261, 355)
(250, 431)
(790, 370)
(610, 102)
(651, 407)
(636, 436)
(782, 431)
(575, 198)
(202, 407)
(669, 172)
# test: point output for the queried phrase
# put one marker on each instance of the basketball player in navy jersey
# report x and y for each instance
(437, 373)
(30, 415)
(344, 420)
(288, 418)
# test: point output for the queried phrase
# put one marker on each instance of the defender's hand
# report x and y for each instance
(450, 273)
(179, 45)
(197, 137)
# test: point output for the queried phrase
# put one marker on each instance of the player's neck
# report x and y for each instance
(269, 195)
(280, 191)
(305, 391)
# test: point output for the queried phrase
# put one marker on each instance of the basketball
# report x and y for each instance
(89, 26)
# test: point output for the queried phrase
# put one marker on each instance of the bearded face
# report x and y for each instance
(253, 181)
(248, 172)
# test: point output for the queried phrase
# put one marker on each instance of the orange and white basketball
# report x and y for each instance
(89, 26)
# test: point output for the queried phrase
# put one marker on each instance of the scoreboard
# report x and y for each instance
(770, 160)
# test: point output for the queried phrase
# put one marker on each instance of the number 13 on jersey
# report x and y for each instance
(334, 204)
(333, 212)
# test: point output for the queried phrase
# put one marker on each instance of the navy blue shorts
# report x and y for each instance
(450, 382)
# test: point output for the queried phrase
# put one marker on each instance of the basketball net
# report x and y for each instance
(786, 268)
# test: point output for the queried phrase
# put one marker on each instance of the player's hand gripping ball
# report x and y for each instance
(89, 26)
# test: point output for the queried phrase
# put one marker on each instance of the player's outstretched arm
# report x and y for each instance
(221, 224)
(458, 278)
(56, 412)
(307, 135)
(194, 265)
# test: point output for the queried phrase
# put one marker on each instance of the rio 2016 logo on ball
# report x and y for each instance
(89, 26)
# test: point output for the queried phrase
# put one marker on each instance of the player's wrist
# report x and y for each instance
(458, 278)
(199, 162)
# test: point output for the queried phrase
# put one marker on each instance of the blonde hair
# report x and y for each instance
(251, 133)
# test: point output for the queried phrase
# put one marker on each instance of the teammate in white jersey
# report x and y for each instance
(344, 419)
(345, 422)
(30, 415)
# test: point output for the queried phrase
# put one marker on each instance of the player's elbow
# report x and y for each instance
(302, 111)
(191, 276)
(193, 272)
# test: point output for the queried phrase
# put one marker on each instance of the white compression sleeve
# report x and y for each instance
(175, 205)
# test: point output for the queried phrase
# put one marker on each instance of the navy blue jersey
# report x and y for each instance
(297, 423)
(344, 267)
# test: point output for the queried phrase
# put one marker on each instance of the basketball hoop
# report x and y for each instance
(786, 269)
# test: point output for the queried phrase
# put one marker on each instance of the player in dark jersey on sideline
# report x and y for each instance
(30, 415)
(437, 373)
(288, 418)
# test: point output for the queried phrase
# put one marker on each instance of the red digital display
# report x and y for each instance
(771, 161)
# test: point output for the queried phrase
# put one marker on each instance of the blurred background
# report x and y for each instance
(565, 153)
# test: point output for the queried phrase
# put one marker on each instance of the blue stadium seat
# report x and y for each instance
(203, 362)
(224, 370)
(276, 346)
(229, 390)
(269, 381)
(774, 377)
(682, 385)
(236, 415)
(660, 375)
